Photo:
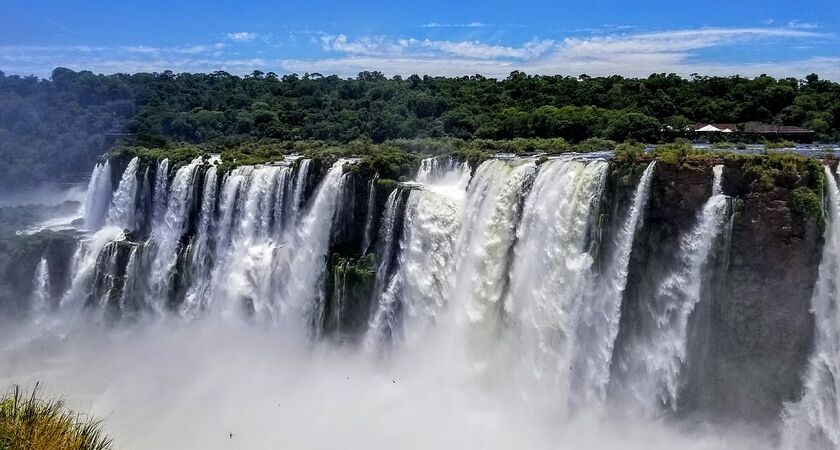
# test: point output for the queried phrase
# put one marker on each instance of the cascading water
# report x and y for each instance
(300, 186)
(159, 194)
(483, 248)
(596, 334)
(370, 214)
(444, 172)
(41, 297)
(551, 271)
(307, 251)
(383, 324)
(200, 251)
(510, 278)
(814, 421)
(98, 196)
(122, 210)
(247, 267)
(167, 232)
(427, 251)
(656, 360)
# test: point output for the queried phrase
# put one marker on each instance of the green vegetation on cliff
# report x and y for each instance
(54, 128)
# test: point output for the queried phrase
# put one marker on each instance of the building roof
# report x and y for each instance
(749, 127)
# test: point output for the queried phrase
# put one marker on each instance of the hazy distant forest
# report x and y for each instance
(49, 127)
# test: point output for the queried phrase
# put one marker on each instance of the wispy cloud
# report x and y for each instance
(242, 36)
(454, 25)
(802, 25)
(636, 54)
(620, 52)
(382, 46)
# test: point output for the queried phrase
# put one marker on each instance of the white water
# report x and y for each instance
(483, 249)
(427, 253)
(657, 360)
(200, 254)
(814, 422)
(493, 300)
(384, 321)
(550, 274)
(98, 196)
(122, 210)
(166, 233)
(370, 214)
(159, 194)
(601, 314)
(307, 251)
(158, 386)
(41, 297)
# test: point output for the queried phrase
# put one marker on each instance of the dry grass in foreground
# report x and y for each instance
(31, 422)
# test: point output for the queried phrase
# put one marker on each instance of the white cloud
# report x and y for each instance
(242, 36)
(636, 54)
(383, 46)
(454, 25)
(625, 53)
(802, 25)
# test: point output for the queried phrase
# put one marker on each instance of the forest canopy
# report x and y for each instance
(53, 128)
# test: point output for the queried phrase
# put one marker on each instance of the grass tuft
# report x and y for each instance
(31, 422)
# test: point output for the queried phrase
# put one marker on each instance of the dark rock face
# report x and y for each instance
(751, 333)
(677, 195)
(20, 255)
(760, 325)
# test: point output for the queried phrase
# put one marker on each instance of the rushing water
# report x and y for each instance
(814, 422)
(490, 297)
(656, 358)
(98, 196)
(123, 206)
(41, 297)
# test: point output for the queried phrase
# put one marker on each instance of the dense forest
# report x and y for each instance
(50, 128)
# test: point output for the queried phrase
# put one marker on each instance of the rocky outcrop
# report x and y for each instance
(760, 325)
(19, 257)
(751, 332)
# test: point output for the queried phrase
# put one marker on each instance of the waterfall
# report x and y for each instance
(246, 268)
(98, 196)
(814, 421)
(427, 251)
(307, 248)
(552, 286)
(369, 214)
(121, 212)
(159, 195)
(167, 232)
(446, 173)
(84, 264)
(550, 272)
(602, 309)
(383, 323)
(128, 300)
(41, 297)
(483, 248)
(200, 251)
(656, 360)
(300, 185)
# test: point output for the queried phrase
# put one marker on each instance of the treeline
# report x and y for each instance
(48, 127)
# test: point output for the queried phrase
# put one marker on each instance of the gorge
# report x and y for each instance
(586, 289)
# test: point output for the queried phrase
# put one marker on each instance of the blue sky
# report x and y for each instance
(435, 37)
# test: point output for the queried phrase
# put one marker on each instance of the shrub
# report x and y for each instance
(778, 144)
(34, 423)
(629, 151)
(806, 202)
(594, 145)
